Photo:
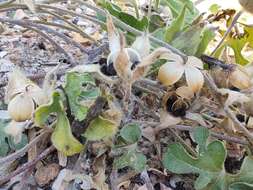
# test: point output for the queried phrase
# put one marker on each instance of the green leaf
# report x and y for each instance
(206, 36)
(241, 186)
(21, 144)
(7, 141)
(200, 136)
(249, 33)
(100, 128)
(3, 139)
(43, 112)
(155, 22)
(132, 21)
(246, 173)
(81, 90)
(160, 33)
(209, 164)
(131, 133)
(176, 7)
(238, 44)
(132, 159)
(188, 41)
(127, 18)
(214, 8)
(62, 137)
(176, 26)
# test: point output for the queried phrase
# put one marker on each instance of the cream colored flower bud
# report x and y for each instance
(172, 71)
(124, 61)
(21, 107)
(240, 78)
(142, 45)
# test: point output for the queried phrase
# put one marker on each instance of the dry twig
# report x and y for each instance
(22, 151)
(27, 166)
(212, 86)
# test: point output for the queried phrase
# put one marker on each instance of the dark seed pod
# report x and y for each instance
(133, 56)
(175, 105)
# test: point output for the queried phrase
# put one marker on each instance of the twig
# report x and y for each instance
(28, 23)
(234, 21)
(214, 134)
(117, 21)
(80, 31)
(220, 136)
(186, 146)
(58, 47)
(55, 25)
(27, 166)
(64, 11)
(213, 62)
(22, 151)
(212, 86)
(146, 179)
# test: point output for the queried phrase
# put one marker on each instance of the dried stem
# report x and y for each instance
(117, 21)
(27, 23)
(220, 136)
(234, 21)
(80, 31)
(216, 135)
(212, 86)
(146, 179)
(22, 151)
(58, 47)
(26, 166)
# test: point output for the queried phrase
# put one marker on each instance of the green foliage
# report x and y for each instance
(3, 139)
(43, 112)
(176, 26)
(209, 165)
(237, 44)
(131, 134)
(155, 22)
(127, 18)
(193, 40)
(62, 137)
(17, 146)
(100, 128)
(206, 36)
(214, 8)
(7, 142)
(81, 90)
(132, 159)
(176, 7)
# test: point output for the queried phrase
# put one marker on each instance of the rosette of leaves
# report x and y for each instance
(208, 165)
